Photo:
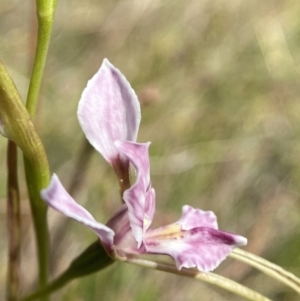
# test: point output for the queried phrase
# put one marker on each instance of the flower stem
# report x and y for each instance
(211, 278)
(45, 15)
(268, 268)
(17, 125)
(13, 223)
(36, 177)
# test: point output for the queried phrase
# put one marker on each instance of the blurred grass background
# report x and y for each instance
(219, 85)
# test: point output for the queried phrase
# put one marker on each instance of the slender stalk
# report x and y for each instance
(45, 15)
(210, 278)
(17, 125)
(268, 268)
(35, 178)
(13, 223)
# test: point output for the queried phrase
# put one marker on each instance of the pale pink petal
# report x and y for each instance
(202, 247)
(137, 153)
(124, 241)
(193, 218)
(58, 198)
(109, 110)
(119, 223)
(150, 207)
(140, 198)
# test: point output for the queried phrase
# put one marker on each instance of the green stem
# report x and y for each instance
(267, 268)
(13, 223)
(210, 278)
(37, 178)
(17, 125)
(45, 15)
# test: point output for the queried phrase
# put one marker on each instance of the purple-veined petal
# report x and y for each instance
(149, 207)
(58, 198)
(140, 198)
(109, 110)
(204, 248)
(193, 241)
(193, 218)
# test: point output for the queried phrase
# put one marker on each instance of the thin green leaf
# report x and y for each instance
(268, 268)
(211, 278)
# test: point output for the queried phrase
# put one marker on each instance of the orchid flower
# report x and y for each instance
(109, 114)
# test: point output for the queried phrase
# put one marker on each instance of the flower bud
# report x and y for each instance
(16, 123)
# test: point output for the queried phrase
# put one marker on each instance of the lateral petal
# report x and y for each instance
(109, 110)
(140, 198)
(58, 198)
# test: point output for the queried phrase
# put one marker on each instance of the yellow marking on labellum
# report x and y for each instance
(171, 231)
